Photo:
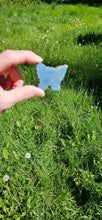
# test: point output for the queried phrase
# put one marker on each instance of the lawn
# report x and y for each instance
(61, 177)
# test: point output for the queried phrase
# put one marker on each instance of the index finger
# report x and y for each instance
(10, 58)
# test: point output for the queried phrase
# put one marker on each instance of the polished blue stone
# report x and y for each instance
(50, 76)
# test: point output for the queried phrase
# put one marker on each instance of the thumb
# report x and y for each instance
(12, 97)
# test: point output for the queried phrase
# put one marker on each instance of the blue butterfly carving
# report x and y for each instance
(50, 76)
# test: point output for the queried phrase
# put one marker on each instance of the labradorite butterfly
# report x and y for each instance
(50, 76)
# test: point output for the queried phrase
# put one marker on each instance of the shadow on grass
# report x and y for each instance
(89, 39)
(80, 193)
(96, 3)
(96, 85)
(87, 72)
(92, 83)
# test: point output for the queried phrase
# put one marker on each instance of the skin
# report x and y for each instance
(15, 91)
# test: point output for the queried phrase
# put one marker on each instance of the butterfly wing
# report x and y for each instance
(60, 72)
(45, 74)
(50, 76)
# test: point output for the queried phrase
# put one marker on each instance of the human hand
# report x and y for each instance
(9, 60)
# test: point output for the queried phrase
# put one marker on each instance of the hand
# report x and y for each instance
(14, 81)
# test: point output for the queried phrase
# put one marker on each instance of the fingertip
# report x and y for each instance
(18, 83)
(42, 92)
(36, 92)
(39, 59)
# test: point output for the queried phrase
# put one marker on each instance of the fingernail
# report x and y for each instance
(40, 59)
(42, 93)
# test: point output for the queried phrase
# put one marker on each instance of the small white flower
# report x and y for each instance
(5, 178)
(57, 42)
(96, 65)
(28, 155)
(79, 44)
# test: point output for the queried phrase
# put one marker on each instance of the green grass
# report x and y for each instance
(63, 131)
